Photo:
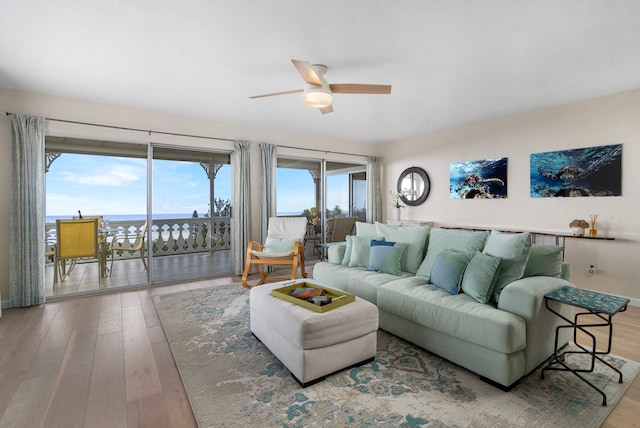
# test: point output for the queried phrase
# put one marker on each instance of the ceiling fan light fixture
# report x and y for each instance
(317, 97)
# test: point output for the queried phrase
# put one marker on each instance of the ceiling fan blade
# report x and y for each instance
(278, 93)
(327, 109)
(307, 73)
(355, 88)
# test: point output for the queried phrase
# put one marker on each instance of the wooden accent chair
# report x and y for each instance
(284, 246)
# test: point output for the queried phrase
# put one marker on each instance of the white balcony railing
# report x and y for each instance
(169, 236)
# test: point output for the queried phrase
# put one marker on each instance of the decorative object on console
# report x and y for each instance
(481, 179)
(413, 186)
(578, 226)
(593, 232)
(591, 171)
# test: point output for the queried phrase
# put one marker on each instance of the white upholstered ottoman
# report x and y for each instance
(311, 344)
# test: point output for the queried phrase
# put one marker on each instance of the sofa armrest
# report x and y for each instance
(335, 253)
(525, 298)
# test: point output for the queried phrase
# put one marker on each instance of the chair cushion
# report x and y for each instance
(279, 245)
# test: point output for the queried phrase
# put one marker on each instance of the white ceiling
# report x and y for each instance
(450, 62)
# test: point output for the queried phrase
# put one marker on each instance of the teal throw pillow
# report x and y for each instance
(544, 260)
(478, 276)
(385, 257)
(457, 240)
(448, 270)
(347, 252)
(416, 239)
(514, 250)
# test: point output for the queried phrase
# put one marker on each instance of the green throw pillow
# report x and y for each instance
(478, 276)
(415, 239)
(514, 250)
(347, 252)
(448, 270)
(458, 240)
(360, 250)
(544, 260)
(385, 256)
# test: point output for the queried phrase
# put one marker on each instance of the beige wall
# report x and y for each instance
(74, 110)
(609, 120)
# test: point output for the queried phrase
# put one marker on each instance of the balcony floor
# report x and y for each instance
(130, 272)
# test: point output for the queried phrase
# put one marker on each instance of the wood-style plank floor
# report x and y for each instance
(104, 361)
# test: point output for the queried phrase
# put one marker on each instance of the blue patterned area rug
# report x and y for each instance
(233, 380)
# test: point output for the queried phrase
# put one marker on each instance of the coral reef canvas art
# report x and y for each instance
(591, 171)
(481, 179)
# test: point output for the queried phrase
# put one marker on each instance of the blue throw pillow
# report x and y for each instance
(448, 269)
(384, 256)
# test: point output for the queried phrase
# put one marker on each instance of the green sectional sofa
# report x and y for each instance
(474, 298)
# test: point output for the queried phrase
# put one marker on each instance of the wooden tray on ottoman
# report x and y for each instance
(283, 293)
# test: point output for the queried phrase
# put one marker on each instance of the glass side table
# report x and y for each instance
(600, 305)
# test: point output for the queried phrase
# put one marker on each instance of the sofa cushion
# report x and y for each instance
(366, 230)
(514, 250)
(416, 239)
(356, 280)
(385, 256)
(544, 260)
(478, 276)
(459, 316)
(448, 269)
(448, 239)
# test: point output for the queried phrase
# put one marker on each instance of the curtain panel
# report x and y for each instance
(374, 190)
(26, 252)
(268, 205)
(242, 203)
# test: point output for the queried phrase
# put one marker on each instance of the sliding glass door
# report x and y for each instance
(191, 211)
(164, 213)
(320, 190)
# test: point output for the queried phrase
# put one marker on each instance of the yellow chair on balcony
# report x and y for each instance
(284, 246)
(336, 230)
(138, 245)
(76, 239)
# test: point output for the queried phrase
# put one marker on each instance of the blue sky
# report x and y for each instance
(104, 185)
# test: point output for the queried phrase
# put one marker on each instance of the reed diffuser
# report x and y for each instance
(593, 232)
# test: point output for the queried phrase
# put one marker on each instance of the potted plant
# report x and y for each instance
(578, 227)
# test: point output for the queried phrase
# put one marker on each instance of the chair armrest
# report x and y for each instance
(254, 245)
(335, 253)
(525, 298)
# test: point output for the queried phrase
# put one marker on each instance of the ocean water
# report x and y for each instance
(121, 217)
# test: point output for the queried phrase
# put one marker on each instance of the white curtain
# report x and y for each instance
(268, 199)
(26, 252)
(242, 203)
(374, 190)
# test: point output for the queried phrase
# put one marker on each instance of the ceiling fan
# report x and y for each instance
(319, 93)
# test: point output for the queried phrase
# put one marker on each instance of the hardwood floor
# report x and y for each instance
(104, 361)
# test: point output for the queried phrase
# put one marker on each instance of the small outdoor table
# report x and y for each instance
(604, 307)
